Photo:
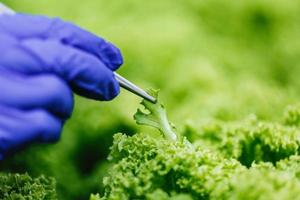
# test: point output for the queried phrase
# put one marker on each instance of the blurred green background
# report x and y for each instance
(212, 59)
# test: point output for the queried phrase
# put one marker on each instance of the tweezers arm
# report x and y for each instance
(124, 83)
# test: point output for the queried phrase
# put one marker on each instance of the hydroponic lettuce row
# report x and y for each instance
(243, 160)
(248, 159)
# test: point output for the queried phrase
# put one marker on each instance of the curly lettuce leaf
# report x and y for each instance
(156, 117)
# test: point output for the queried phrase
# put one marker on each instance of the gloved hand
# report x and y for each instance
(42, 62)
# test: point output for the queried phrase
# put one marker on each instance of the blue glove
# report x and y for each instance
(42, 62)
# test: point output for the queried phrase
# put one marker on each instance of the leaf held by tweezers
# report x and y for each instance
(155, 115)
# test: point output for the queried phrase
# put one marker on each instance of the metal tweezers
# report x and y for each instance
(124, 83)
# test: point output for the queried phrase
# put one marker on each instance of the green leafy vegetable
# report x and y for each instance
(248, 159)
(95, 197)
(23, 187)
(292, 115)
(157, 117)
(248, 140)
(260, 182)
(161, 195)
(144, 164)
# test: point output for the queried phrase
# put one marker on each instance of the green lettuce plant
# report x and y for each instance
(249, 159)
(24, 187)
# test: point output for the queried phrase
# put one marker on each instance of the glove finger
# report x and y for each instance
(6, 41)
(21, 127)
(42, 91)
(45, 28)
(86, 74)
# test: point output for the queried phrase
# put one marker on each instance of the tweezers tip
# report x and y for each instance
(152, 100)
